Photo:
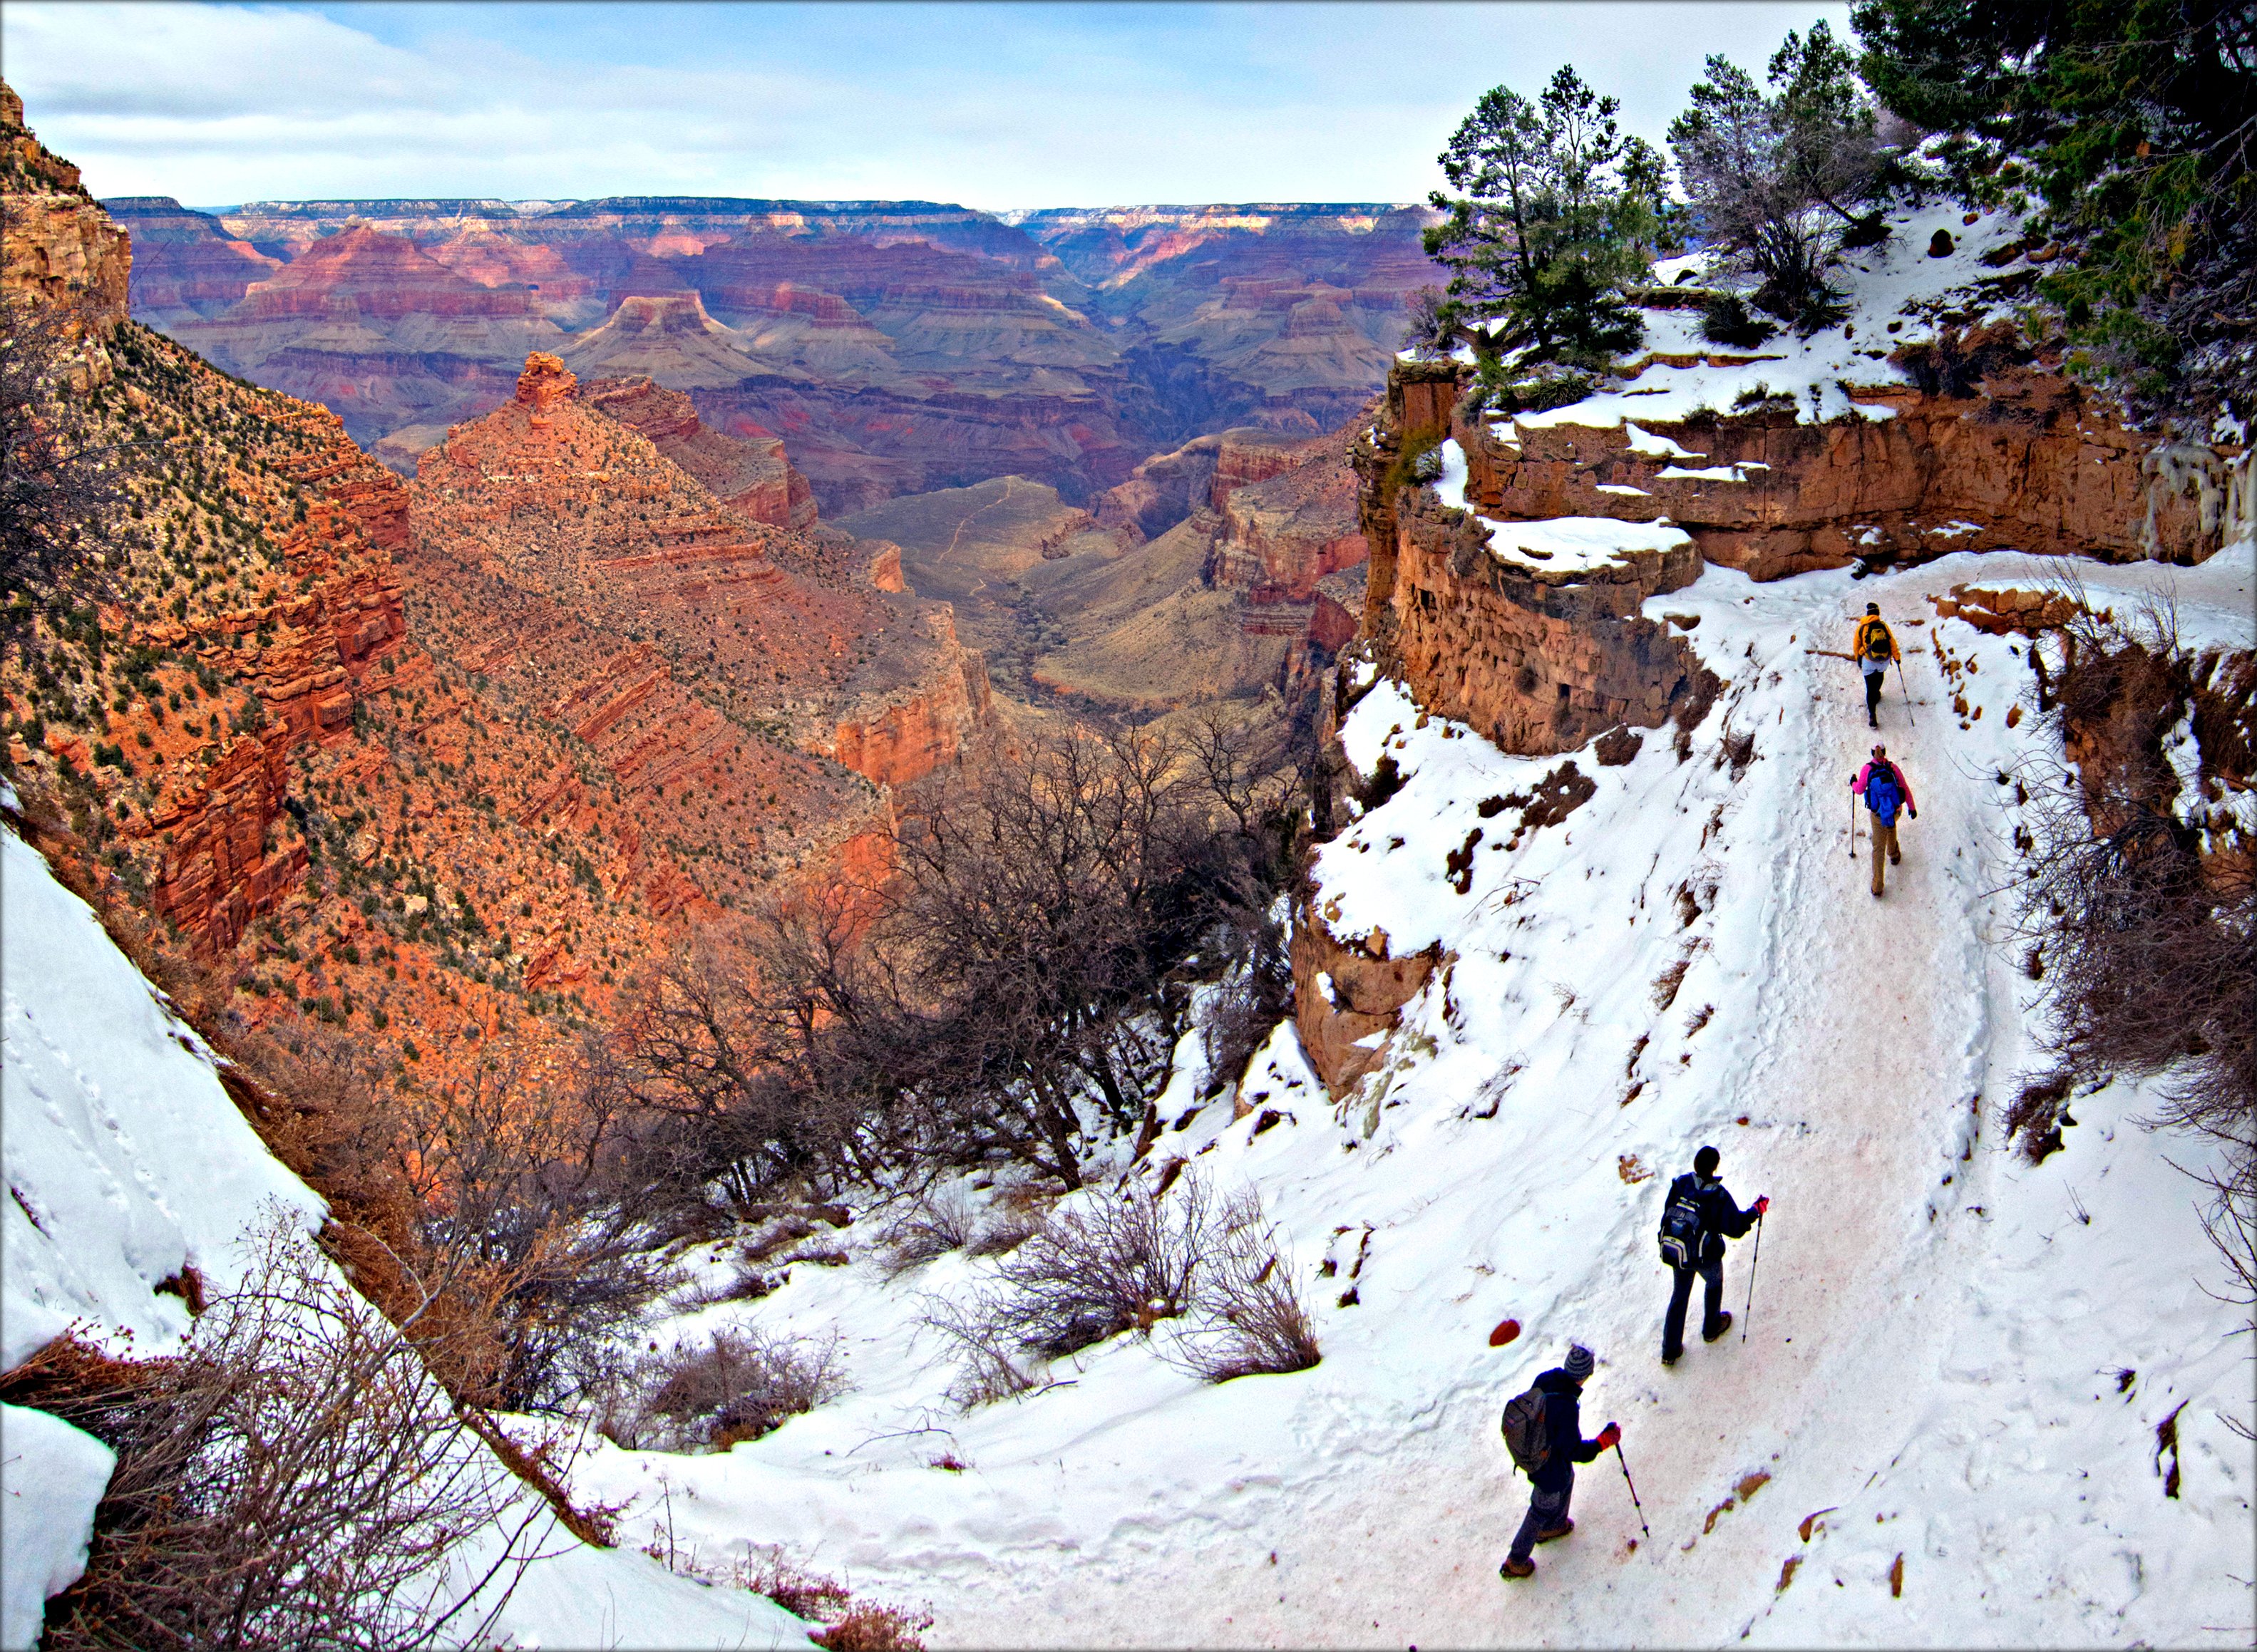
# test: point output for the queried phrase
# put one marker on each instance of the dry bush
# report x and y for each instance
(868, 1626)
(2150, 947)
(740, 1386)
(988, 1367)
(1006, 1229)
(1249, 1317)
(1248, 1005)
(848, 1625)
(933, 1226)
(1131, 1261)
(296, 1478)
(488, 1211)
(1118, 1263)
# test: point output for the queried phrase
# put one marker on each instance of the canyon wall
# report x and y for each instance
(435, 769)
(2027, 463)
(58, 250)
(898, 346)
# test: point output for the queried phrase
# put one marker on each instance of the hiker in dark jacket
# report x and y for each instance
(1701, 1252)
(1562, 1388)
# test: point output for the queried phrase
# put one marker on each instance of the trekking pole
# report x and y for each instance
(1853, 827)
(1632, 1484)
(1747, 1313)
(1907, 686)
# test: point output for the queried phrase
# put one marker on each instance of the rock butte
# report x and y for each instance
(438, 762)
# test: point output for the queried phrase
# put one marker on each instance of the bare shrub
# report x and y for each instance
(482, 1217)
(1118, 1263)
(2150, 944)
(868, 1626)
(1006, 1229)
(739, 1386)
(933, 1226)
(989, 1367)
(296, 1477)
(1247, 1005)
(1133, 1260)
(848, 1625)
(1249, 1318)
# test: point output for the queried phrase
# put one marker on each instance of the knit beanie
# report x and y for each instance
(1578, 1362)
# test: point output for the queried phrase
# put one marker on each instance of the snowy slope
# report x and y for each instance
(1933, 1352)
(124, 1160)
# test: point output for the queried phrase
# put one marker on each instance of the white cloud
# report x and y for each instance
(216, 103)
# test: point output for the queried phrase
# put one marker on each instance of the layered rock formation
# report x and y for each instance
(583, 520)
(437, 766)
(188, 268)
(1230, 566)
(1284, 315)
(2027, 463)
(899, 347)
(382, 334)
(59, 249)
(753, 477)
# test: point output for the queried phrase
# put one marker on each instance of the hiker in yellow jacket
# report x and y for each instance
(1873, 647)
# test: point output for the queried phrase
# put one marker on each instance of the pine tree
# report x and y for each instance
(2133, 122)
(1776, 179)
(1556, 213)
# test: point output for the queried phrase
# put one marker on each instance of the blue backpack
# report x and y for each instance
(1883, 795)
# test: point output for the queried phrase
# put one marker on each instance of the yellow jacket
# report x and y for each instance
(1866, 627)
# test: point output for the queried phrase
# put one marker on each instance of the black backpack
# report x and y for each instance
(1528, 1431)
(1681, 1223)
(1873, 641)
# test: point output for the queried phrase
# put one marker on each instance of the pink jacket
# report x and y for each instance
(1903, 785)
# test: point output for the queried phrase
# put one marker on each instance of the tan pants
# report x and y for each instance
(1885, 843)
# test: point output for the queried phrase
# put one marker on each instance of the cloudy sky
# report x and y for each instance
(996, 106)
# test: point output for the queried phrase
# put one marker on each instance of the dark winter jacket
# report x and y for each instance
(1563, 1426)
(1720, 1218)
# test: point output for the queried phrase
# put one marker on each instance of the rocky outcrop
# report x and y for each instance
(58, 249)
(898, 737)
(579, 511)
(2028, 463)
(1539, 662)
(1347, 994)
(752, 477)
(2011, 609)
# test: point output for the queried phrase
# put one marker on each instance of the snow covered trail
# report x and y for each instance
(1935, 1325)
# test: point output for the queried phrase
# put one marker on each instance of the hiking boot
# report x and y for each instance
(1672, 1359)
(1896, 860)
(1724, 1324)
(1560, 1530)
(1517, 1569)
(1871, 721)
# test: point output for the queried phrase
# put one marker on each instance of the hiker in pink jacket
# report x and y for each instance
(1883, 789)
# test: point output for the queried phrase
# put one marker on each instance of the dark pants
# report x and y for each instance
(1681, 1294)
(1873, 692)
(1545, 1510)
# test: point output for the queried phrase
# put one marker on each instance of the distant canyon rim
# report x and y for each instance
(896, 347)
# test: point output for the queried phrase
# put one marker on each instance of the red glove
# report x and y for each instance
(1609, 1435)
(1763, 1204)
